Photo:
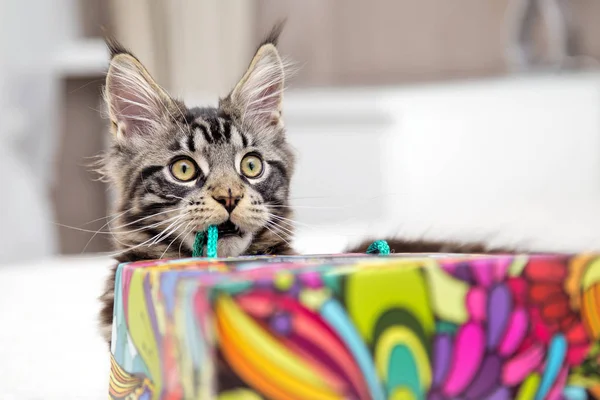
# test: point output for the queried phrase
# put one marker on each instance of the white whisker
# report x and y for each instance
(276, 234)
(98, 231)
(178, 197)
(287, 220)
(170, 229)
(150, 216)
(107, 217)
(144, 243)
(153, 225)
(282, 229)
(172, 241)
(185, 236)
(311, 207)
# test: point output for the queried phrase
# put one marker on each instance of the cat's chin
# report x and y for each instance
(233, 245)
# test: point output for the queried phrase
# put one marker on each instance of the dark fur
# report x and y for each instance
(137, 166)
(421, 246)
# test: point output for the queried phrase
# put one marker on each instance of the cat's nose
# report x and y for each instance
(228, 200)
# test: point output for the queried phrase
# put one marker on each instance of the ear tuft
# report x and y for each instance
(273, 36)
(115, 48)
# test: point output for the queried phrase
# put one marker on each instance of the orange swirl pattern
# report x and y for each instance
(123, 385)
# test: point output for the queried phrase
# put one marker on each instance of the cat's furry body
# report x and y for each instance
(158, 214)
(398, 245)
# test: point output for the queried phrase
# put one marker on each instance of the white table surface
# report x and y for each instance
(49, 342)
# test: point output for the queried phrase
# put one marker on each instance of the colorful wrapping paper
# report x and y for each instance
(358, 327)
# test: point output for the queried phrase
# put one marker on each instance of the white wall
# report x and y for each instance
(513, 161)
(31, 32)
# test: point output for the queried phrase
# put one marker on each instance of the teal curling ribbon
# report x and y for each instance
(379, 247)
(208, 238)
(211, 237)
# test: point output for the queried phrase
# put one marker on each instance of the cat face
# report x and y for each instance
(178, 170)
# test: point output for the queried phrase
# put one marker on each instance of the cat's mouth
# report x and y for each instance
(228, 229)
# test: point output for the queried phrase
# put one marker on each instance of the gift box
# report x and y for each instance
(358, 327)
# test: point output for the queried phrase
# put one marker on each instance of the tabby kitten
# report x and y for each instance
(178, 170)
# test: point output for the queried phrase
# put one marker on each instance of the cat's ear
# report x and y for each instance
(257, 97)
(137, 105)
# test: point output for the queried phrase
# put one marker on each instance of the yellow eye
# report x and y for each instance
(251, 166)
(184, 169)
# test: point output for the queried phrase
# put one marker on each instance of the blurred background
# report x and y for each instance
(446, 120)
